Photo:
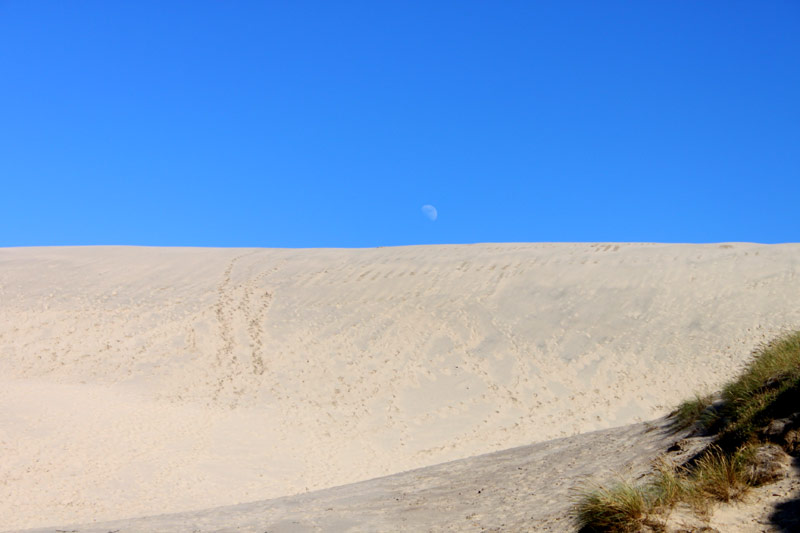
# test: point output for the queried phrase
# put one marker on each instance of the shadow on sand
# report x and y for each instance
(786, 516)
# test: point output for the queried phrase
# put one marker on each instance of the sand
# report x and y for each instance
(529, 488)
(142, 381)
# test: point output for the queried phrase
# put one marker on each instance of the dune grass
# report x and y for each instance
(622, 507)
(669, 485)
(627, 507)
(693, 411)
(768, 388)
(722, 476)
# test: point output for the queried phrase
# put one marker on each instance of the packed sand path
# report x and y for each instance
(140, 381)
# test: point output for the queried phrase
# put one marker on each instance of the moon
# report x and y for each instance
(429, 211)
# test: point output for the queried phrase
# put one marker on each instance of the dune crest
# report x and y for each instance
(138, 381)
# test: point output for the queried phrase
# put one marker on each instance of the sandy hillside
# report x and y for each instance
(137, 381)
(529, 488)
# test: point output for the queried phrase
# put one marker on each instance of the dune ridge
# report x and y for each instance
(140, 381)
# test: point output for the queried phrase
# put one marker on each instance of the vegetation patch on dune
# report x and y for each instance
(748, 423)
(694, 411)
(619, 507)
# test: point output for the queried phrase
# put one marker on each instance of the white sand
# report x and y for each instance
(138, 381)
(529, 488)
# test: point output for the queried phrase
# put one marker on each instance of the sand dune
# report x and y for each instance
(139, 381)
(529, 488)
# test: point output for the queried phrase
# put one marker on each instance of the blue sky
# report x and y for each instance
(331, 124)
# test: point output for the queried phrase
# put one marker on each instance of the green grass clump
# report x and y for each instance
(768, 388)
(621, 508)
(723, 476)
(693, 411)
(775, 362)
(628, 507)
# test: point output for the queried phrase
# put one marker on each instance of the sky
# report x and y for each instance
(359, 124)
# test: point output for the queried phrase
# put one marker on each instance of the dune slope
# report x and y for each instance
(529, 488)
(138, 381)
